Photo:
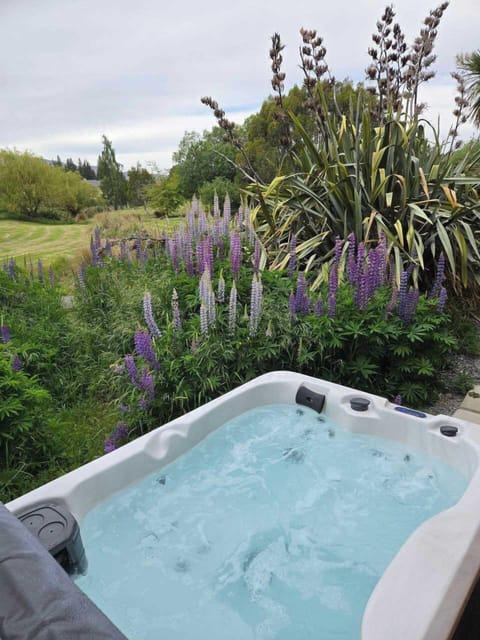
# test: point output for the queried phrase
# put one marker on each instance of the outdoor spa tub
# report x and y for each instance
(290, 508)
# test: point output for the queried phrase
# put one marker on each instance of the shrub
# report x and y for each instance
(376, 168)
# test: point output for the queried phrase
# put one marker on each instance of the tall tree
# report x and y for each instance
(202, 159)
(70, 165)
(470, 65)
(86, 170)
(138, 181)
(112, 180)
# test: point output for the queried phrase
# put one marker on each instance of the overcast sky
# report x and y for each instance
(72, 70)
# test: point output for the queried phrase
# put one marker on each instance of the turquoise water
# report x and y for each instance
(276, 526)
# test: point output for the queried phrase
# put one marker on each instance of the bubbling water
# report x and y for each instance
(276, 526)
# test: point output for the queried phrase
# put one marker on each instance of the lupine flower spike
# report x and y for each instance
(148, 315)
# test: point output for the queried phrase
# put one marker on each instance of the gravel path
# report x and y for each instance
(449, 401)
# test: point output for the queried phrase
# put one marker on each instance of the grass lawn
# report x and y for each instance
(33, 240)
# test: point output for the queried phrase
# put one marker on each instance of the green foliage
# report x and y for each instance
(221, 187)
(139, 179)
(75, 194)
(31, 187)
(28, 185)
(165, 196)
(365, 179)
(367, 165)
(470, 66)
(112, 180)
(202, 159)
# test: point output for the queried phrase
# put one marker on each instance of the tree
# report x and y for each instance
(139, 179)
(28, 185)
(470, 65)
(165, 196)
(86, 170)
(202, 159)
(112, 180)
(70, 165)
(76, 194)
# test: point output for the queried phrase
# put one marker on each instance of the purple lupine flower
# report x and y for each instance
(211, 307)
(332, 305)
(147, 384)
(221, 289)
(204, 287)
(403, 296)
(9, 268)
(301, 291)
(5, 334)
(51, 275)
(131, 368)
(93, 251)
(292, 263)
(411, 307)
(319, 307)
(351, 259)
(188, 257)
(255, 304)
(362, 291)
(17, 363)
(203, 319)
(382, 259)
(109, 445)
(177, 321)
(359, 271)
(108, 248)
(442, 299)
(124, 408)
(292, 306)
(232, 309)
(338, 250)
(235, 253)
(208, 255)
(148, 315)
(332, 289)
(40, 271)
(202, 220)
(97, 239)
(438, 277)
(397, 399)
(306, 304)
(393, 300)
(257, 254)
(199, 258)
(173, 252)
(81, 275)
(121, 430)
(144, 347)
(227, 212)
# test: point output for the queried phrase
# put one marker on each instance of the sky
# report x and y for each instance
(73, 70)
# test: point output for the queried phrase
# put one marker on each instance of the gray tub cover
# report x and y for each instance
(38, 600)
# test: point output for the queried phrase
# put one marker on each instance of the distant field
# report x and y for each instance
(33, 240)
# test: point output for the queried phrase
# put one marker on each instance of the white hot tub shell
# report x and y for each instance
(424, 589)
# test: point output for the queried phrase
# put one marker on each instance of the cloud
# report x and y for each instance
(136, 71)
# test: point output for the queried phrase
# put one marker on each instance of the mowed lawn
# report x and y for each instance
(34, 240)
